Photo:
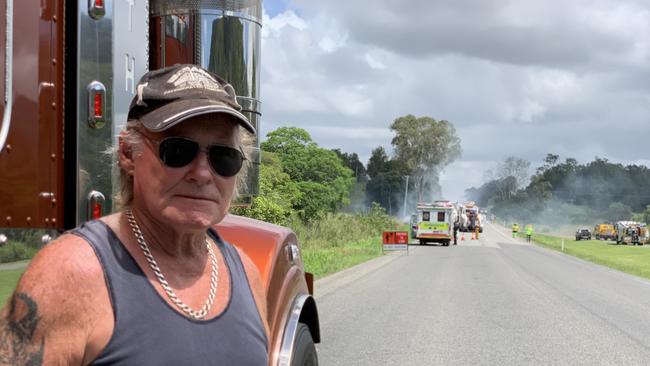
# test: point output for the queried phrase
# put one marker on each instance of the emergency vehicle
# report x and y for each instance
(69, 70)
(470, 219)
(631, 233)
(435, 222)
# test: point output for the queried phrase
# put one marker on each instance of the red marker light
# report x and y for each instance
(98, 106)
(97, 210)
(99, 3)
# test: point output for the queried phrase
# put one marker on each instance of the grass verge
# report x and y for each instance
(630, 259)
(323, 261)
(339, 241)
(8, 280)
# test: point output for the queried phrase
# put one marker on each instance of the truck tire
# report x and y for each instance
(304, 350)
(422, 241)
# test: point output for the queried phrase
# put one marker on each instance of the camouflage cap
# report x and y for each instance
(168, 96)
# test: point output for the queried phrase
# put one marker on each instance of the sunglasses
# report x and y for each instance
(177, 152)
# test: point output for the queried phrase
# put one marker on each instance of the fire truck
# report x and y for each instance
(69, 72)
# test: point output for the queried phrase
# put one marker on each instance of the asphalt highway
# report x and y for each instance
(491, 301)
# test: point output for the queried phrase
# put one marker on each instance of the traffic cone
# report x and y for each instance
(473, 236)
(462, 236)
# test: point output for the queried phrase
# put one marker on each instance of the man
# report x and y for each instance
(529, 232)
(152, 284)
(515, 230)
(456, 227)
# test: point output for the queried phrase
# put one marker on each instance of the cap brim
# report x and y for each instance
(171, 114)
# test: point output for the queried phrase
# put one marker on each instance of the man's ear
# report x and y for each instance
(125, 154)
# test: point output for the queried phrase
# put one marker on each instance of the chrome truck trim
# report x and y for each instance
(289, 336)
(9, 97)
(246, 9)
(94, 60)
(222, 36)
(113, 51)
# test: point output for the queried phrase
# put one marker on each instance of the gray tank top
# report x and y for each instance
(148, 331)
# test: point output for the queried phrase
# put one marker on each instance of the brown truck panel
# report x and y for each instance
(31, 183)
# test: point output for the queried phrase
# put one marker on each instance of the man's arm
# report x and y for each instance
(18, 346)
(50, 315)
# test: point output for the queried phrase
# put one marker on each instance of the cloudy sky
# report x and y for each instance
(515, 77)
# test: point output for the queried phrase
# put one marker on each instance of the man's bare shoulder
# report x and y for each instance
(56, 303)
(65, 266)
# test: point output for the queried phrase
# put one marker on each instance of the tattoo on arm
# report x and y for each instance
(17, 343)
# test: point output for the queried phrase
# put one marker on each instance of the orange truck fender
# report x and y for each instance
(274, 250)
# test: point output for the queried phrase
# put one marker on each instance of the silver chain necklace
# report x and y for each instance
(198, 315)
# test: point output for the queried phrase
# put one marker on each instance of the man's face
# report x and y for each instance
(192, 196)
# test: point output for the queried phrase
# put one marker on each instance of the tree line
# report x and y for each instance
(598, 190)
(300, 179)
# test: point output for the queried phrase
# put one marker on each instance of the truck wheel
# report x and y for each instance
(304, 351)
(422, 241)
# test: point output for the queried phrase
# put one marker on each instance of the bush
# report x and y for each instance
(15, 251)
(265, 209)
(339, 229)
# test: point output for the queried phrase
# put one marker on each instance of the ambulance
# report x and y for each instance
(435, 222)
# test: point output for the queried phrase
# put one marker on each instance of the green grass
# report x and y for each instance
(339, 241)
(8, 280)
(630, 259)
(323, 261)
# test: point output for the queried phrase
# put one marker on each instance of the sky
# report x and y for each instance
(515, 77)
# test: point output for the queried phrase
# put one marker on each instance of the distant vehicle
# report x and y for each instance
(469, 217)
(583, 234)
(483, 216)
(435, 222)
(604, 232)
(631, 232)
(414, 225)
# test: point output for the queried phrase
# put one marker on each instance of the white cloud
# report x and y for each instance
(373, 61)
(274, 25)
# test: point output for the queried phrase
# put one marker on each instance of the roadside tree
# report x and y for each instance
(319, 174)
(425, 146)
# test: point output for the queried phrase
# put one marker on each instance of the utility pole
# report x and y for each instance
(406, 191)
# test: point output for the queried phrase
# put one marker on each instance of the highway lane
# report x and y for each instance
(492, 301)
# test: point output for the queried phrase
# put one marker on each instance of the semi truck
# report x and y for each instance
(435, 222)
(69, 70)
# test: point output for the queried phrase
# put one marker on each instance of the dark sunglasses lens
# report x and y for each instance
(177, 152)
(225, 161)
